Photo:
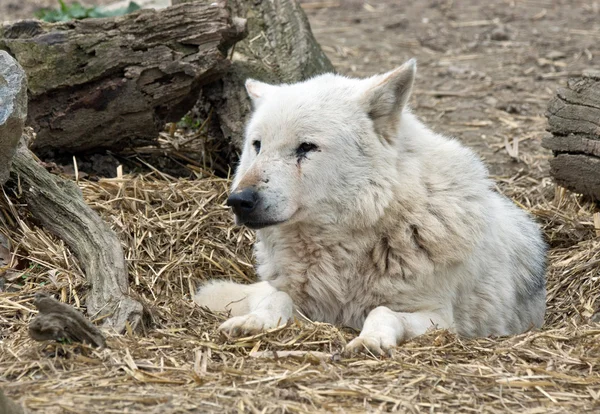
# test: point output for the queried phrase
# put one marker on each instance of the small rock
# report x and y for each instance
(513, 108)
(13, 110)
(500, 33)
(491, 101)
(555, 55)
(402, 23)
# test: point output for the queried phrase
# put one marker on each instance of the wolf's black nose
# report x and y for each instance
(243, 202)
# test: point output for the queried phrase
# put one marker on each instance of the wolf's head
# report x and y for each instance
(321, 151)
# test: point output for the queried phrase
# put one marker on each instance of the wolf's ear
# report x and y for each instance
(257, 90)
(386, 97)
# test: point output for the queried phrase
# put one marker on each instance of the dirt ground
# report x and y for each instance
(486, 71)
(25, 9)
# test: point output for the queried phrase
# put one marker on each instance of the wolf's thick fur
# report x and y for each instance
(369, 219)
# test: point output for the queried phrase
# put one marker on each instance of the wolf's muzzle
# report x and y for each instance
(243, 202)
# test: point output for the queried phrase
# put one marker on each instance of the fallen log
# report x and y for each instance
(115, 82)
(574, 122)
(280, 47)
(58, 205)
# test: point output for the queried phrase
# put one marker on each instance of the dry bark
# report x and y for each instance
(115, 82)
(577, 172)
(573, 143)
(574, 121)
(280, 47)
(59, 207)
(58, 321)
(576, 109)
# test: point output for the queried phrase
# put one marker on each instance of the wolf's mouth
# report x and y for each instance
(257, 225)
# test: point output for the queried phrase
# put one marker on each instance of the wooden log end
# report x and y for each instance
(577, 172)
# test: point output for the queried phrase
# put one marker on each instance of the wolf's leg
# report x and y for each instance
(225, 296)
(254, 307)
(384, 328)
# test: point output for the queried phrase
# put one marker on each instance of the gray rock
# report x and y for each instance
(7, 406)
(13, 110)
(556, 55)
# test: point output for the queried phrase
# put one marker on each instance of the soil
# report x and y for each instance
(486, 70)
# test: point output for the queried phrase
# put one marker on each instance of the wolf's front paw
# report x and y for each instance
(250, 324)
(378, 345)
(245, 325)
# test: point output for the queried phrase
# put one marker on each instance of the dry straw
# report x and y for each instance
(177, 233)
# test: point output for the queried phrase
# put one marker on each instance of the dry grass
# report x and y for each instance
(177, 233)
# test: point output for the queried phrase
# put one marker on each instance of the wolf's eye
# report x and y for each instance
(256, 145)
(305, 148)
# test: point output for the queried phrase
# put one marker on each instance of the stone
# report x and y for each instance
(13, 110)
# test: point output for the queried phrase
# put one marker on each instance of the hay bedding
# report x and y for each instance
(177, 232)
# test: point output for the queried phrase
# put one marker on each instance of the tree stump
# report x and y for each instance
(114, 82)
(280, 47)
(574, 122)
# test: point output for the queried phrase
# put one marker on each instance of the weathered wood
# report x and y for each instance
(13, 110)
(577, 172)
(576, 109)
(115, 82)
(280, 47)
(58, 322)
(579, 144)
(574, 121)
(59, 207)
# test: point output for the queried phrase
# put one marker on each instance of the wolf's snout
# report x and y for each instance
(243, 202)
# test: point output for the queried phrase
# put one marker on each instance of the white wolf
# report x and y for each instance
(368, 219)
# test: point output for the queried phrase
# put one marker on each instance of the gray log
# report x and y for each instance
(576, 109)
(577, 172)
(572, 143)
(115, 82)
(574, 121)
